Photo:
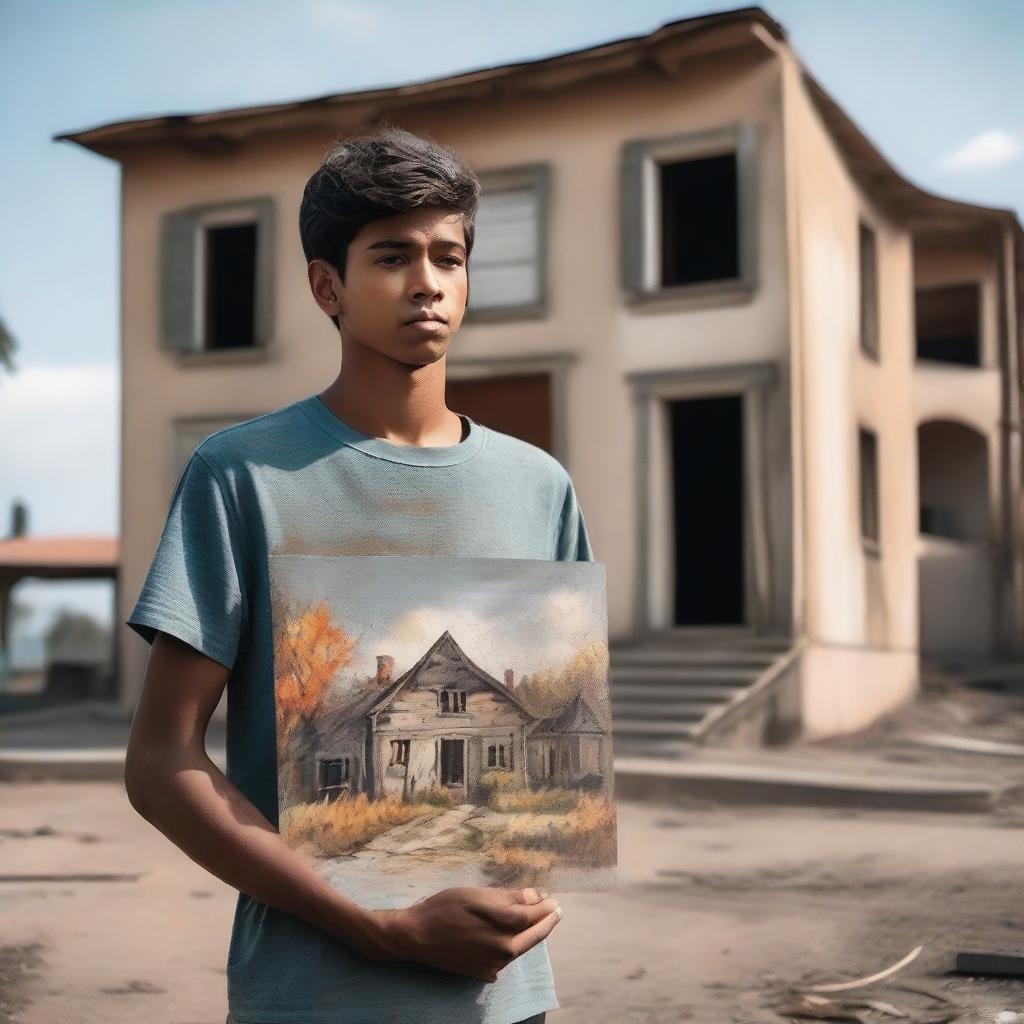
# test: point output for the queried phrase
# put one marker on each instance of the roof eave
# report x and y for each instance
(221, 130)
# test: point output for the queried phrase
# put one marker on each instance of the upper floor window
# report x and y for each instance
(949, 323)
(689, 220)
(452, 701)
(216, 278)
(508, 267)
(868, 261)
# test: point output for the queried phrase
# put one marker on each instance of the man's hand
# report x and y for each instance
(466, 930)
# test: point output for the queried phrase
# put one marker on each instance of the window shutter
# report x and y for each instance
(631, 249)
(509, 252)
(265, 247)
(177, 281)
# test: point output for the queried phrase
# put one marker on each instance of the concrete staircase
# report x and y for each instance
(664, 690)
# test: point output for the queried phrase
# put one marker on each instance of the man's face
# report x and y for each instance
(398, 271)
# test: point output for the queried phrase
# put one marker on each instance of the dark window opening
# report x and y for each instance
(400, 752)
(230, 287)
(335, 772)
(868, 292)
(699, 220)
(949, 324)
(869, 495)
(453, 701)
(452, 762)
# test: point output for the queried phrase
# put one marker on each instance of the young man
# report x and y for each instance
(374, 464)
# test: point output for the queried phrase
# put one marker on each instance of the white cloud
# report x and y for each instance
(344, 16)
(59, 448)
(988, 149)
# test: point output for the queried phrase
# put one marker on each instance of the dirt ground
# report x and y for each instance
(719, 910)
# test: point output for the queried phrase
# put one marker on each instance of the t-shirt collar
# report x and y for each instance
(408, 454)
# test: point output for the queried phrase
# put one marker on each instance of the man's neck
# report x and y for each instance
(396, 403)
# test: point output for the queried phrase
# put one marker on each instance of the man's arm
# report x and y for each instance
(172, 783)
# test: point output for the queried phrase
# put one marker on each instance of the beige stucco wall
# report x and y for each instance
(858, 607)
(577, 130)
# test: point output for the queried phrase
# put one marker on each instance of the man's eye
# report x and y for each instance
(450, 261)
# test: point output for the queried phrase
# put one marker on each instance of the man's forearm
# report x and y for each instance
(190, 800)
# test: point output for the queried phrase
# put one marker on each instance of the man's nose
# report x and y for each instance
(426, 282)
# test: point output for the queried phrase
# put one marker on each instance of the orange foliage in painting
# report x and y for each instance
(309, 651)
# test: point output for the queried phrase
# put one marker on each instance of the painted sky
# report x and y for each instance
(938, 85)
(504, 612)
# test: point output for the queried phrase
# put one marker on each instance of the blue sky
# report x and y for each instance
(938, 85)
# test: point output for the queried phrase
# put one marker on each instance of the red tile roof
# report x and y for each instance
(57, 553)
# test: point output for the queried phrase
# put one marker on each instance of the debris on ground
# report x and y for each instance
(1002, 965)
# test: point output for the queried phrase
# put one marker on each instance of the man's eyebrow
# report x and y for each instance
(401, 243)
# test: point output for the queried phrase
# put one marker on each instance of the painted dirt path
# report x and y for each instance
(440, 850)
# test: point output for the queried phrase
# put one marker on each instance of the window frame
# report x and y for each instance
(640, 208)
(869, 332)
(182, 262)
(536, 176)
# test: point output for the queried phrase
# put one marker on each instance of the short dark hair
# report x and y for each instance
(369, 177)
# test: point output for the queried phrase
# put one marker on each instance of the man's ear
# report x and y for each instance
(325, 285)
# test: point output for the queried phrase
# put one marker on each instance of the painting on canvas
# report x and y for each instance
(444, 722)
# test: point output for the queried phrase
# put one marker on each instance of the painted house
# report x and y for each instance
(785, 380)
(571, 748)
(445, 722)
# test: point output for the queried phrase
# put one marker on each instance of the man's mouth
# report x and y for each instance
(428, 318)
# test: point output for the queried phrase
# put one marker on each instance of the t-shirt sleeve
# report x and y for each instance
(573, 540)
(195, 586)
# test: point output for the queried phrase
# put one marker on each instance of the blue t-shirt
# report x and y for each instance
(300, 481)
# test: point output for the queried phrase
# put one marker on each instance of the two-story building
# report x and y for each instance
(786, 381)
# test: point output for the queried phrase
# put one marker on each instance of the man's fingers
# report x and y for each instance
(518, 917)
(541, 930)
(531, 895)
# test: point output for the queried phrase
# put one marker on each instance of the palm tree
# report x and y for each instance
(7, 348)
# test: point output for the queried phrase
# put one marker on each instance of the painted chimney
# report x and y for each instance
(384, 664)
(508, 679)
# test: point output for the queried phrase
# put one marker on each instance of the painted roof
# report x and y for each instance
(446, 644)
(577, 716)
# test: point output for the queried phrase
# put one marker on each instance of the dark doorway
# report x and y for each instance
(707, 461)
(452, 763)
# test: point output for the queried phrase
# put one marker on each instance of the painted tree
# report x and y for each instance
(308, 652)
(548, 690)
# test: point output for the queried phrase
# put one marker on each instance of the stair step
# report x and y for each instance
(668, 692)
(671, 711)
(647, 727)
(709, 674)
(683, 656)
(641, 746)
